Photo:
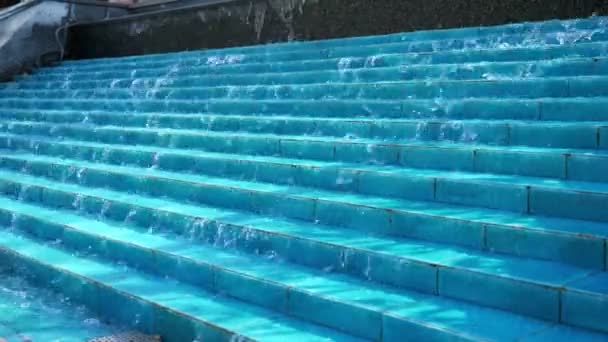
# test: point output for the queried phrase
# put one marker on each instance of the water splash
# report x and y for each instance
(195, 228)
(114, 83)
(345, 63)
(224, 237)
(367, 272)
(421, 129)
(468, 134)
(77, 202)
(14, 221)
(105, 207)
(155, 160)
(130, 215)
(80, 175)
(373, 61)
(223, 60)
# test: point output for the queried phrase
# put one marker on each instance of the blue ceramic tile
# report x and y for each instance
(362, 218)
(574, 110)
(307, 150)
(396, 185)
(391, 270)
(568, 136)
(521, 163)
(603, 138)
(502, 293)
(567, 248)
(363, 322)
(372, 153)
(395, 328)
(173, 327)
(584, 87)
(585, 310)
(432, 228)
(578, 205)
(437, 158)
(313, 253)
(483, 194)
(279, 205)
(588, 167)
(262, 293)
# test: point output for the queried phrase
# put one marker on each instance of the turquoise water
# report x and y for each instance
(29, 313)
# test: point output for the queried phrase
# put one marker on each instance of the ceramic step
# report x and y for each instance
(282, 287)
(552, 109)
(522, 196)
(428, 225)
(434, 269)
(583, 58)
(588, 61)
(555, 36)
(381, 71)
(383, 68)
(571, 164)
(529, 88)
(577, 135)
(178, 311)
(519, 194)
(31, 313)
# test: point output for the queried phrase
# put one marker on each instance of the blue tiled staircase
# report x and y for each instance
(445, 185)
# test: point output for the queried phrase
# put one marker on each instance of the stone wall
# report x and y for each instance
(246, 22)
(28, 36)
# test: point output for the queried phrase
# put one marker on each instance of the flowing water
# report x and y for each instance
(28, 313)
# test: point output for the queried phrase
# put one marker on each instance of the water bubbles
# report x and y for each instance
(195, 228)
(232, 91)
(23, 192)
(344, 178)
(373, 61)
(249, 234)
(271, 255)
(221, 60)
(105, 154)
(156, 86)
(528, 70)
(152, 122)
(137, 83)
(130, 215)
(85, 119)
(345, 63)
(368, 268)
(468, 135)
(105, 207)
(436, 46)
(79, 175)
(114, 83)
(13, 221)
(343, 258)
(488, 76)
(77, 202)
